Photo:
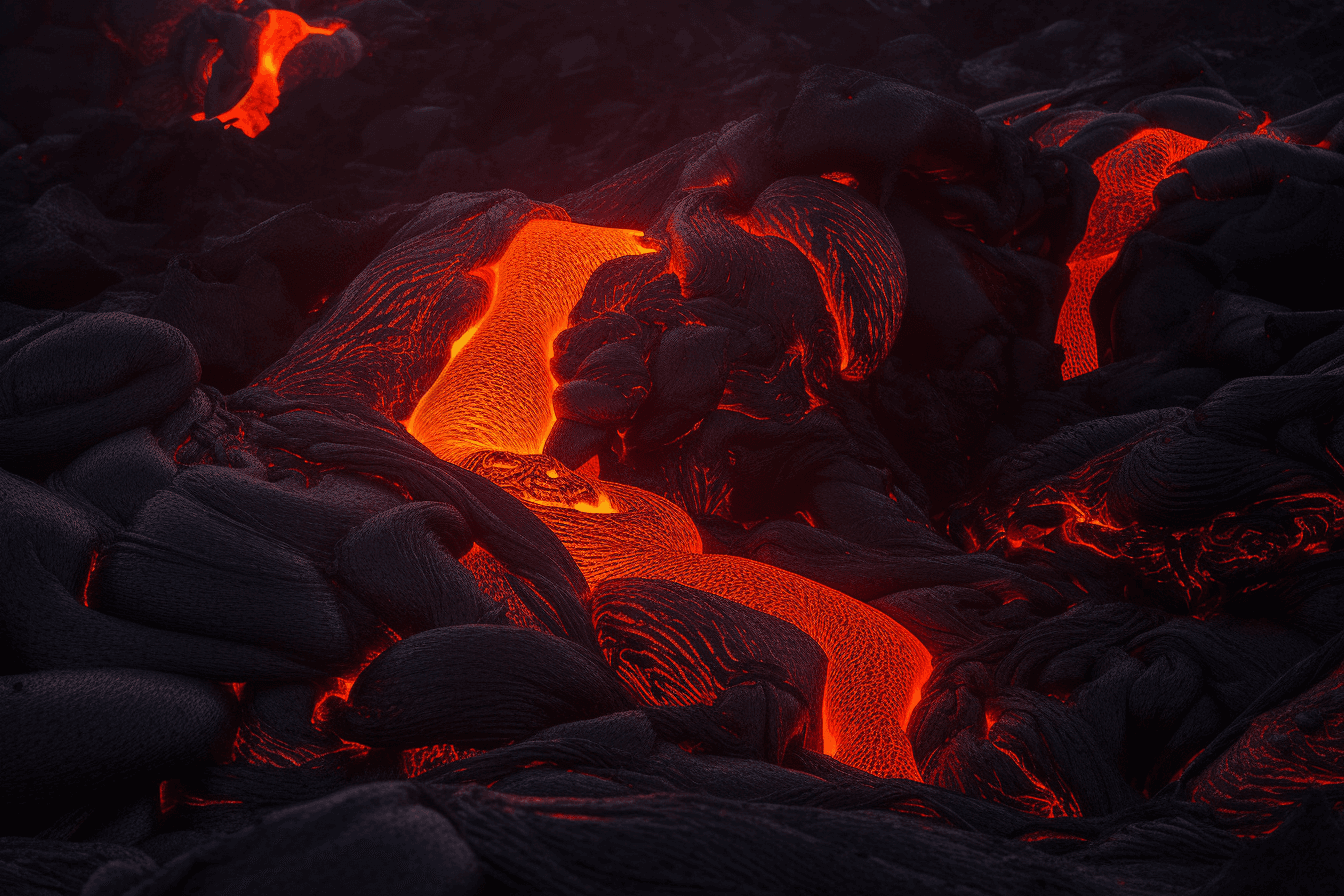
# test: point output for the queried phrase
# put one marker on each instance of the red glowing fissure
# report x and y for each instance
(88, 579)
(1230, 551)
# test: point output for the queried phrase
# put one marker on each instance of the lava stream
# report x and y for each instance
(490, 409)
(1124, 204)
(495, 393)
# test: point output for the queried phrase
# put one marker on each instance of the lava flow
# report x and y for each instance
(1123, 206)
(495, 393)
(282, 32)
(490, 410)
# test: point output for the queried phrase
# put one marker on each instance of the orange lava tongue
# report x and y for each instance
(495, 393)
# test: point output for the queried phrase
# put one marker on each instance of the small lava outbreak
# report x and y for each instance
(280, 33)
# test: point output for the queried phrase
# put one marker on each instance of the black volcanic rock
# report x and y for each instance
(71, 736)
(476, 686)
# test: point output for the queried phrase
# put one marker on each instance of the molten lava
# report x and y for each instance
(490, 410)
(282, 32)
(876, 667)
(495, 393)
(1124, 204)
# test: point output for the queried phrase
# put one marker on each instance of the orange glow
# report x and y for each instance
(282, 32)
(1124, 204)
(495, 394)
(875, 666)
(828, 742)
(462, 340)
(490, 411)
(603, 505)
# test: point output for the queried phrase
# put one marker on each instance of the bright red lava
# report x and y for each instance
(1124, 204)
(282, 32)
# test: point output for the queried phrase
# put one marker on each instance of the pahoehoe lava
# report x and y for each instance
(811, 447)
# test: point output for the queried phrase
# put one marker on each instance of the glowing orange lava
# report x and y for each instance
(495, 394)
(1228, 552)
(1124, 204)
(490, 410)
(282, 32)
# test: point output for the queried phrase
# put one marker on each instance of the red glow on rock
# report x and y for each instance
(842, 177)
(88, 580)
(1230, 551)
(1065, 127)
(168, 796)
(1012, 118)
(1285, 752)
(337, 690)
(282, 32)
(423, 759)
(1124, 204)
(1041, 800)
(334, 694)
(208, 65)
(865, 323)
